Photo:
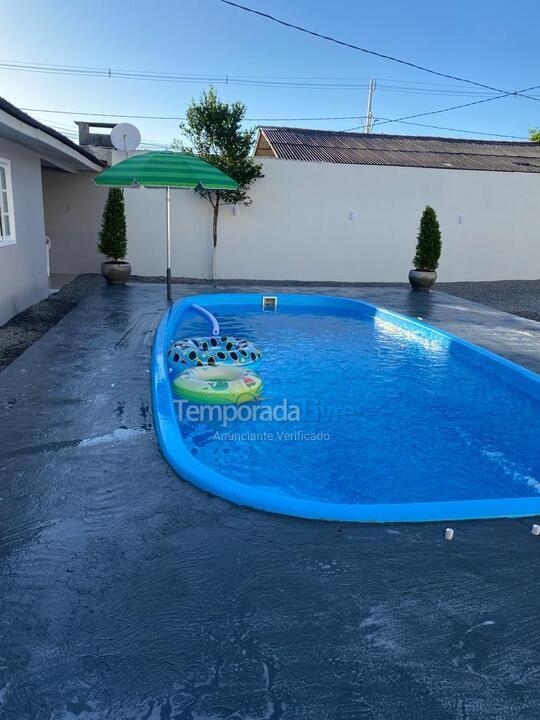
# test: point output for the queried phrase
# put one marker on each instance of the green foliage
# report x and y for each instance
(113, 233)
(428, 246)
(213, 131)
(534, 135)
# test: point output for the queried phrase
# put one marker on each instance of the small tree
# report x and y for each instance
(534, 135)
(113, 233)
(214, 133)
(428, 246)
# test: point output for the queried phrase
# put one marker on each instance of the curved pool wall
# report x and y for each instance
(188, 467)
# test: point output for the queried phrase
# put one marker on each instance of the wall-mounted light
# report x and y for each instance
(352, 215)
(236, 210)
(460, 220)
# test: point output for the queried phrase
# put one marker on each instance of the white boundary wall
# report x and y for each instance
(298, 227)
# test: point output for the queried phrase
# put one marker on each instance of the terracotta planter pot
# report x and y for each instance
(422, 279)
(116, 272)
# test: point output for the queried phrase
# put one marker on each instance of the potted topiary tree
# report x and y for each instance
(113, 239)
(428, 251)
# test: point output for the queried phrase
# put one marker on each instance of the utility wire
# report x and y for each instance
(431, 112)
(73, 135)
(361, 49)
(378, 120)
(227, 77)
(395, 86)
(443, 110)
(460, 130)
(175, 117)
(457, 107)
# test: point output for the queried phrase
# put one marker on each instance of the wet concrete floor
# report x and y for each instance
(126, 592)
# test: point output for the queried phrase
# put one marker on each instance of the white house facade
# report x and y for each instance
(26, 147)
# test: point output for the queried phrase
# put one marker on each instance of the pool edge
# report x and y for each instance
(189, 468)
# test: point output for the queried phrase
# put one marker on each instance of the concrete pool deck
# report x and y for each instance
(126, 592)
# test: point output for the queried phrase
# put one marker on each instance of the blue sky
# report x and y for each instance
(492, 42)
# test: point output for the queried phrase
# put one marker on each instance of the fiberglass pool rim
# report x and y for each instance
(188, 467)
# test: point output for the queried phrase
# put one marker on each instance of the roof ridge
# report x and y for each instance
(406, 150)
(439, 138)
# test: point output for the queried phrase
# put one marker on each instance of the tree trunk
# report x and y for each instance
(215, 235)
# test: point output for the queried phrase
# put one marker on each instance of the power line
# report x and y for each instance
(174, 117)
(227, 77)
(458, 107)
(472, 132)
(163, 143)
(109, 115)
(359, 48)
(395, 86)
(66, 130)
(447, 109)
(113, 73)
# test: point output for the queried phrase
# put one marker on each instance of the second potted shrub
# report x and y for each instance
(428, 251)
(113, 239)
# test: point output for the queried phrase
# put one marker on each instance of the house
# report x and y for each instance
(26, 148)
(332, 206)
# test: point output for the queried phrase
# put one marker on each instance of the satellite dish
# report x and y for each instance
(125, 137)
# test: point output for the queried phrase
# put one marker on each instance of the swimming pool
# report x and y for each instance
(365, 415)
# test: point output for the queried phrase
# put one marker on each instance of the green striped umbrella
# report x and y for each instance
(166, 170)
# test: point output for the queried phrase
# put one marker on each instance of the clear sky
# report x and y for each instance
(491, 41)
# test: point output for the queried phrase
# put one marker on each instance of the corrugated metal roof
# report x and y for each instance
(402, 150)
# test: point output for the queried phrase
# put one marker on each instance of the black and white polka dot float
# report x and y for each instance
(212, 351)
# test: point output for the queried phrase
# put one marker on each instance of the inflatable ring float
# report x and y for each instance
(211, 351)
(218, 385)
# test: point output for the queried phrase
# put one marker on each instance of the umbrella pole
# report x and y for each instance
(168, 226)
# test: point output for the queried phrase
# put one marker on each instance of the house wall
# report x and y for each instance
(23, 265)
(73, 209)
(298, 226)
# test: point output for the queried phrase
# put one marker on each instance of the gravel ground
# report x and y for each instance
(28, 326)
(519, 297)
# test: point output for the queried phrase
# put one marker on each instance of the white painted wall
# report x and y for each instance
(23, 265)
(73, 209)
(191, 232)
(298, 226)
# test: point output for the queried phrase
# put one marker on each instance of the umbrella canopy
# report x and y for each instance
(166, 170)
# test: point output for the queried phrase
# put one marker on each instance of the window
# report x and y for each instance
(7, 219)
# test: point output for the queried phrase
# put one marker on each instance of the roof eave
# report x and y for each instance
(52, 147)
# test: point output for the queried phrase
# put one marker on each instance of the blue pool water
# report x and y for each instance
(380, 414)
